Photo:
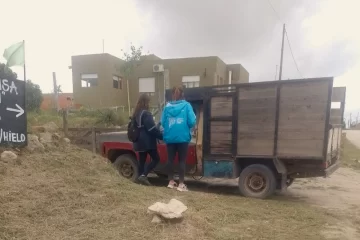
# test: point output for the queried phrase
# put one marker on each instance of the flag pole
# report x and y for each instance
(24, 62)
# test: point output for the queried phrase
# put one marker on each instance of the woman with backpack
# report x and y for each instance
(178, 119)
(146, 143)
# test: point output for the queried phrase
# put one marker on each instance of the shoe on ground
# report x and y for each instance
(172, 184)
(182, 188)
(144, 180)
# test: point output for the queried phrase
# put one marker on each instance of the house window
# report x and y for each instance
(147, 85)
(117, 82)
(191, 81)
(89, 80)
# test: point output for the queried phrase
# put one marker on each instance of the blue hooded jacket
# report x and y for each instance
(177, 120)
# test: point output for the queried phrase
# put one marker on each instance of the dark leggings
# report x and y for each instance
(155, 159)
(181, 150)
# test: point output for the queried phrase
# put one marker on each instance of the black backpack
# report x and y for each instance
(133, 129)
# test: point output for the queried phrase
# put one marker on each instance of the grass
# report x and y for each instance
(81, 118)
(67, 193)
(350, 155)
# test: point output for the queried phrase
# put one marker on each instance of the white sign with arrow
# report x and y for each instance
(19, 110)
(13, 124)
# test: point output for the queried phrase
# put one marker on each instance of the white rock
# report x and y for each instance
(34, 144)
(8, 156)
(156, 219)
(45, 137)
(66, 140)
(172, 210)
(50, 127)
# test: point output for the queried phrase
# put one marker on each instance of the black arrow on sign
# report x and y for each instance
(19, 110)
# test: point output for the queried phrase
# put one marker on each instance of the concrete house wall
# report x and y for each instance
(104, 95)
(211, 70)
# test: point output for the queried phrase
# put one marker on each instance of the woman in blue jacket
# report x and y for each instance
(178, 119)
(146, 144)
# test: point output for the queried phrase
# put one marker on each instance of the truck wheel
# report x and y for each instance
(127, 166)
(257, 181)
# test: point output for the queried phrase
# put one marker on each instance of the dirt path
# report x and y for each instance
(354, 137)
(340, 194)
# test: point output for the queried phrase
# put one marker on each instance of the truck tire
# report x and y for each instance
(127, 166)
(257, 181)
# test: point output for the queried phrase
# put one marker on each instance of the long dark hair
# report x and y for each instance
(142, 104)
(177, 93)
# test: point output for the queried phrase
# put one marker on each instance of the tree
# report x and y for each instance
(33, 92)
(58, 89)
(7, 73)
(132, 60)
(34, 96)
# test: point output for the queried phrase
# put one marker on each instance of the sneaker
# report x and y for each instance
(144, 180)
(172, 184)
(182, 188)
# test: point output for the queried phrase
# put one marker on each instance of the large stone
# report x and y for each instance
(66, 141)
(7, 156)
(45, 138)
(50, 127)
(172, 210)
(34, 144)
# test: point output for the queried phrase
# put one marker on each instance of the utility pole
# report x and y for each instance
(56, 97)
(276, 72)
(103, 45)
(282, 52)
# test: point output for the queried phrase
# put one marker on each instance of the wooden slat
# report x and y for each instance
(308, 148)
(257, 92)
(221, 106)
(302, 119)
(256, 120)
(220, 137)
(307, 89)
(199, 140)
(255, 147)
(338, 94)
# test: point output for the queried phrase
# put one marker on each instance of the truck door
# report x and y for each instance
(220, 135)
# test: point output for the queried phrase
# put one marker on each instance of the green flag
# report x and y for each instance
(15, 54)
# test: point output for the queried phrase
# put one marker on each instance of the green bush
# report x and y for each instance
(109, 117)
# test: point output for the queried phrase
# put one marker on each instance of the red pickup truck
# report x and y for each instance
(266, 134)
(119, 150)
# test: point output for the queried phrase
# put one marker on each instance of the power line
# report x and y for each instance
(278, 16)
(292, 54)
(287, 37)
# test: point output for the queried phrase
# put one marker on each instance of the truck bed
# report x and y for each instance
(289, 120)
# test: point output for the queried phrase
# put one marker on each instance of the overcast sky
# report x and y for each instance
(322, 34)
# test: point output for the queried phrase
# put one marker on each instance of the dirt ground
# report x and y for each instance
(340, 194)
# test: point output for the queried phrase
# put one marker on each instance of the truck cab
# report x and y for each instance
(265, 134)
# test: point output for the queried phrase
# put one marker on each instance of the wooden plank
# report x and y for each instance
(260, 118)
(250, 127)
(220, 137)
(297, 116)
(302, 119)
(199, 140)
(257, 103)
(298, 89)
(256, 92)
(308, 126)
(301, 135)
(338, 94)
(255, 147)
(308, 148)
(221, 106)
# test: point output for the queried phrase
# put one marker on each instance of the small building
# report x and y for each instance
(98, 81)
(65, 101)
